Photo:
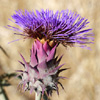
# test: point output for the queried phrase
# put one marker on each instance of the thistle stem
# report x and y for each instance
(3, 95)
(38, 96)
(45, 97)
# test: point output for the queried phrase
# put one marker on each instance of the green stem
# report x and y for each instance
(38, 96)
(45, 97)
(3, 94)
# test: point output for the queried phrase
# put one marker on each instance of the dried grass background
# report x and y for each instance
(84, 75)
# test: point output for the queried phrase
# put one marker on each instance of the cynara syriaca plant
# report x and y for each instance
(49, 29)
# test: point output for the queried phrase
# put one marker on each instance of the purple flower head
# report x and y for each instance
(41, 74)
(64, 27)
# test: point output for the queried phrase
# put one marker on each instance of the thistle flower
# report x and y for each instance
(49, 29)
(42, 72)
(64, 27)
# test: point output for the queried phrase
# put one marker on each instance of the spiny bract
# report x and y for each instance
(42, 72)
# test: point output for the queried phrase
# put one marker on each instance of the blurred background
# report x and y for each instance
(84, 72)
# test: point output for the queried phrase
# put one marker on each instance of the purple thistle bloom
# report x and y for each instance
(64, 27)
(41, 74)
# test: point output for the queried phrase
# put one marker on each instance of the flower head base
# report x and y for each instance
(64, 27)
(42, 72)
